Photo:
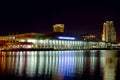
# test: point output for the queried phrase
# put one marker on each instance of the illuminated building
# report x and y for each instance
(90, 37)
(58, 28)
(55, 40)
(109, 33)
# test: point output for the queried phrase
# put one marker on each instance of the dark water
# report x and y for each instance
(60, 65)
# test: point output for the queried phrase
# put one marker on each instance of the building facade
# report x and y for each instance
(109, 33)
(33, 40)
(58, 28)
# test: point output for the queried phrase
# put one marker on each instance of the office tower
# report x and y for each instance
(58, 28)
(109, 33)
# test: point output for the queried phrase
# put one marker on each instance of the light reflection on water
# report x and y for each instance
(61, 65)
(109, 65)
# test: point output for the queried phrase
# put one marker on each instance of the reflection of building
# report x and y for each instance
(58, 28)
(109, 34)
(109, 65)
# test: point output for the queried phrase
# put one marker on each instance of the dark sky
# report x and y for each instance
(78, 17)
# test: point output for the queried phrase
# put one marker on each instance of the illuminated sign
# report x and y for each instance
(69, 38)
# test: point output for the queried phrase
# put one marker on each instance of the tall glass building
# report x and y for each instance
(109, 33)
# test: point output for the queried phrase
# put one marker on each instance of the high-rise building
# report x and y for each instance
(109, 33)
(58, 28)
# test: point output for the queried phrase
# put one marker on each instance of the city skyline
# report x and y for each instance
(84, 17)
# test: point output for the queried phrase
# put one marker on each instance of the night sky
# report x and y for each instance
(78, 17)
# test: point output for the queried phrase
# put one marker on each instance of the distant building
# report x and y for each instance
(109, 33)
(58, 28)
(90, 37)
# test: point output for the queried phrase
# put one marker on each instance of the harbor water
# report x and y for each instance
(60, 65)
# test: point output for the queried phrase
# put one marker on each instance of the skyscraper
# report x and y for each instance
(109, 33)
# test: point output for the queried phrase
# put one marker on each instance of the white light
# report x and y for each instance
(32, 40)
(69, 38)
(22, 40)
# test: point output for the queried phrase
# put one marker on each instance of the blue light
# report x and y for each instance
(69, 38)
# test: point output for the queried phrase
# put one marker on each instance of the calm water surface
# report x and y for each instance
(60, 65)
